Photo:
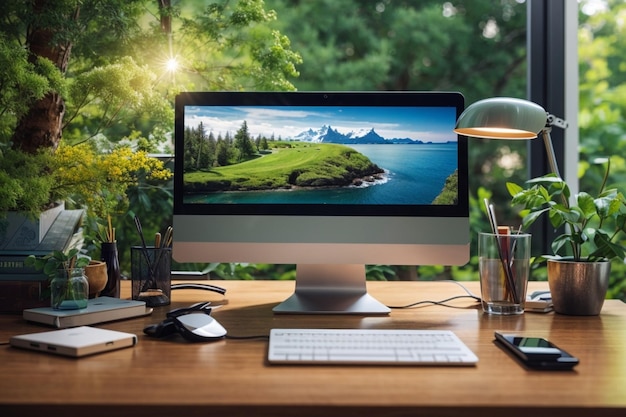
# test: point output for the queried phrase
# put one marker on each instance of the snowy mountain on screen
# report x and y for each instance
(327, 134)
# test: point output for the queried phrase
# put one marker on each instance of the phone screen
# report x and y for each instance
(535, 346)
(537, 352)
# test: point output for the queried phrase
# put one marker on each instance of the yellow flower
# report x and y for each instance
(100, 180)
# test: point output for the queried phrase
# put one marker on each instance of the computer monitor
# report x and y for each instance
(329, 181)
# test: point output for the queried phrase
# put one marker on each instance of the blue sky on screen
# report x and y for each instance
(428, 124)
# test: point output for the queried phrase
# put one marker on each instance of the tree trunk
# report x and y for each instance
(165, 13)
(41, 126)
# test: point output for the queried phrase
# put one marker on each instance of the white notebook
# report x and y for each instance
(75, 341)
(98, 310)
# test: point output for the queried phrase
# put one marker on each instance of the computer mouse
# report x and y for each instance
(199, 327)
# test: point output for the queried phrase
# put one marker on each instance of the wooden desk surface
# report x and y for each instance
(231, 377)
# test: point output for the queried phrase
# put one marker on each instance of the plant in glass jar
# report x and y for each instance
(69, 288)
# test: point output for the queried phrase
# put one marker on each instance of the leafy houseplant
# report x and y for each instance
(579, 268)
(593, 225)
(69, 288)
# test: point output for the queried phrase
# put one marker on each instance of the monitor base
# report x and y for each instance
(331, 289)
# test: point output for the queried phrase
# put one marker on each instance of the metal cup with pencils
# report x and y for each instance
(151, 267)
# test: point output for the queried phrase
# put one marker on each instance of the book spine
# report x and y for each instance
(15, 265)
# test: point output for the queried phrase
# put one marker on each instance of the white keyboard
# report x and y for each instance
(368, 346)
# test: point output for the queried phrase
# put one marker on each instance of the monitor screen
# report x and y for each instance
(329, 181)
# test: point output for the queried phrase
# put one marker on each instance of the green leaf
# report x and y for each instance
(546, 179)
(513, 188)
(556, 218)
(530, 218)
(569, 215)
(586, 204)
(605, 248)
(559, 242)
(50, 268)
(607, 206)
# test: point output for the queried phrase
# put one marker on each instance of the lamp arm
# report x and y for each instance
(556, 121)
(552, 120)
(547, 140)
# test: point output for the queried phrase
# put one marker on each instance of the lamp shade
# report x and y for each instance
(502, 118)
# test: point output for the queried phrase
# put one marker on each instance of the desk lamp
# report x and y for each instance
(510, 118)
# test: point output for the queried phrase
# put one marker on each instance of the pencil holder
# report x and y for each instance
(151, 274)
(504, 266)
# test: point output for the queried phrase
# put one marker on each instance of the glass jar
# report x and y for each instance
(69, 289)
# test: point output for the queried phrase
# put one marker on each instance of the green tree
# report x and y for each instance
(49, 30)
(404, 45)
(476, 47)
(243, 142)
(222, 153)
(602, 115)
(106, 72)
(104, 92)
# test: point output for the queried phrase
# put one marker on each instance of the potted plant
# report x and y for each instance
(579, 268)
(69, 288)
(96, 273)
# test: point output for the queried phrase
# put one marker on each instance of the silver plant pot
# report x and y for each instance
(578, 288)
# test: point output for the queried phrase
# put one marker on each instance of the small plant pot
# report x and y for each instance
(578, 288)
(96, 273)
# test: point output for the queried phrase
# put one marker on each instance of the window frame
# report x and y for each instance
(553, 83)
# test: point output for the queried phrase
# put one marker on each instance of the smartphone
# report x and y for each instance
(536, 352)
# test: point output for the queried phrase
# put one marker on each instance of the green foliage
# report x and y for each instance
(450, 193)
(105, 95)
(419, 45)
(25, 183)
(116, 87)
(56, 261)
(243, 143)
(602, 110)
(239, 51)
(109, 94)
(593, 224)
(21, 83)
(97, 181)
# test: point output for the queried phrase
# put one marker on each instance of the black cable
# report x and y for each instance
(198, 286)
(444, 301)
(439, 303)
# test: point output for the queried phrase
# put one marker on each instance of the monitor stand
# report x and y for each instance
(331, 289)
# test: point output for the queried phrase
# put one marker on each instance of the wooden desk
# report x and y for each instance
(231, 378)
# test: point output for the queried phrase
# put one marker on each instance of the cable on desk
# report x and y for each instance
(443, 302)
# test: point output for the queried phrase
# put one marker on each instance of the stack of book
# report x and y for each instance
(23, 287)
